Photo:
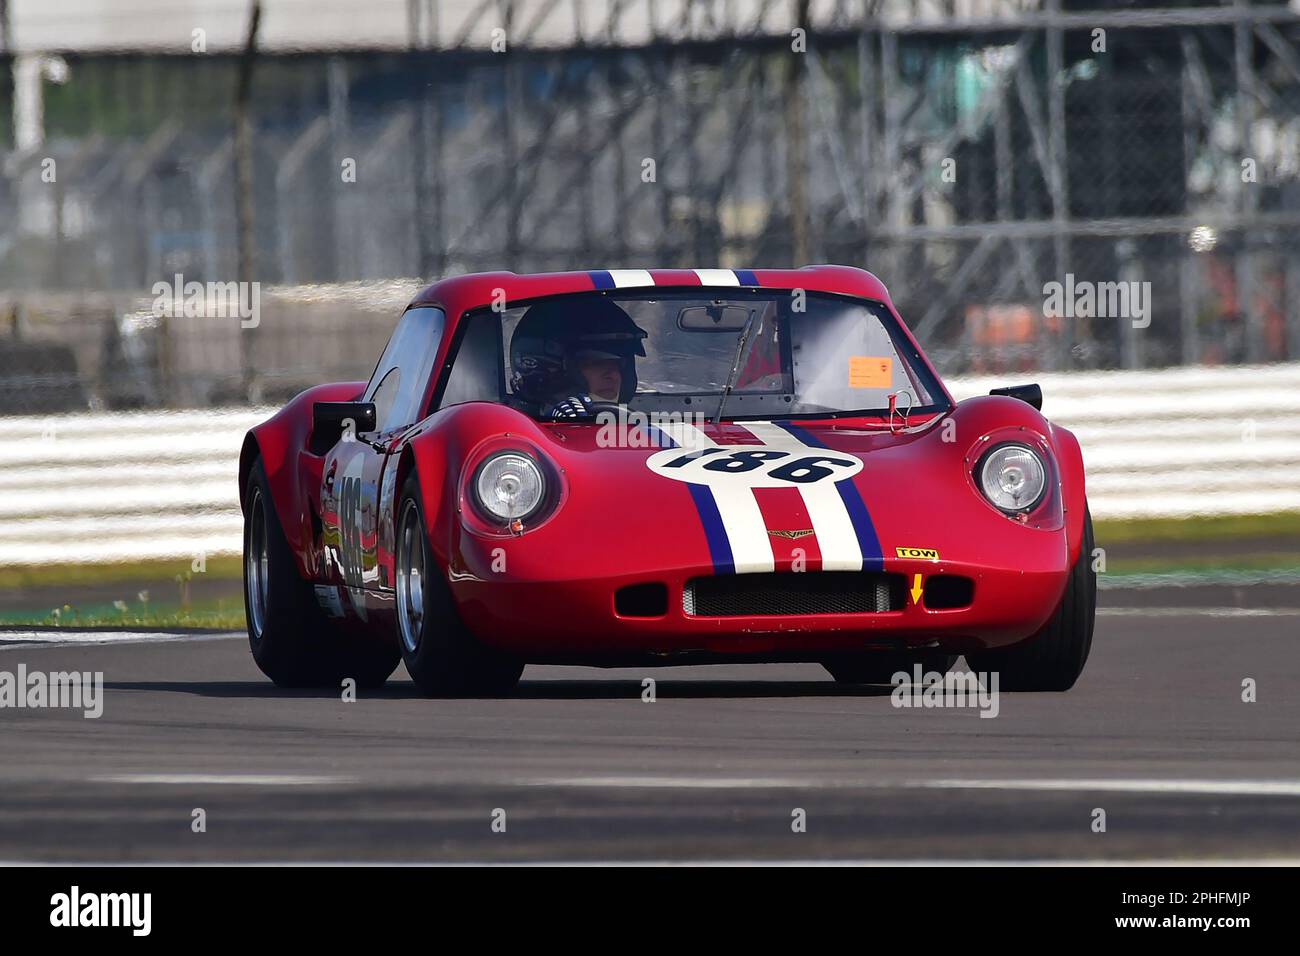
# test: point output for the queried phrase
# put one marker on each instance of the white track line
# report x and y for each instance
(1209, 787)
(723, 862)
(1250, 788)
(1198, 612)
(669, 782)
(26, 640)
(223, 779)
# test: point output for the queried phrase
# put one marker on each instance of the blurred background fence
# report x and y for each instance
(86, 488)
(967, 152)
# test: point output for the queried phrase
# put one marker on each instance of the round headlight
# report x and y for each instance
(1013, 477)
(509, 486)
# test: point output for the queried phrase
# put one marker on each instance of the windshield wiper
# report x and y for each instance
(735, 365)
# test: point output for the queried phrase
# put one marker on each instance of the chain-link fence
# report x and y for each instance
(974, 168)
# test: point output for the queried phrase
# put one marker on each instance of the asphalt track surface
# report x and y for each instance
(1155, 734)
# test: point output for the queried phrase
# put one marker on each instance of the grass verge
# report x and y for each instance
(225, 567)
(1199, 529)
(222, 614)
(230, 613)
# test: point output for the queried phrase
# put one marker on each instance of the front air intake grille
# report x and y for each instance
(787, 592)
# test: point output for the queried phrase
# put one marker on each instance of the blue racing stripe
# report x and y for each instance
(719, 545)
(710, 519)
(873, 558)
(801, 433)
(660, 438)
(601, 279)
(746, 276)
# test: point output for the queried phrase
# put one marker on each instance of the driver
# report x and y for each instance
(567, 356)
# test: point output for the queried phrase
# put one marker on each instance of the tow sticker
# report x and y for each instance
(924, 554)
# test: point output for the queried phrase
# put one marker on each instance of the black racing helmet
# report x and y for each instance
(556, 333)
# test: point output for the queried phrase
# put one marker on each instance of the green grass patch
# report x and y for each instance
(219, 567)
(1264, 561)
(217, 614)
(1217, 528)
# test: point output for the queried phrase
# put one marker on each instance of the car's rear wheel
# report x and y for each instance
(443, 657)
(879, 667)
(1053, 658)
(292, 641)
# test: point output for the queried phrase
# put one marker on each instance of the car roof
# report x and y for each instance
(459, 294)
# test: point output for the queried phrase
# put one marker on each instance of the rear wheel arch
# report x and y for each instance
(426, 459)
(248, 455)
(291, 639)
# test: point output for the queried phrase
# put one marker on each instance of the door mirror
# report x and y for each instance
(331, 420)
(1029, 394)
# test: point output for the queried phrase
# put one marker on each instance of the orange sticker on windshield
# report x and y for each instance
(870, 371)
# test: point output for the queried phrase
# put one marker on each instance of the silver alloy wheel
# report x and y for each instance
(410, 577)
(256, 566)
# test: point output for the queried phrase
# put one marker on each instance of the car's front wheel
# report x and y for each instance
(1052, 659)
(444, 659)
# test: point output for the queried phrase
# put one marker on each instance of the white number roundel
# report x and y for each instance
(753, 466)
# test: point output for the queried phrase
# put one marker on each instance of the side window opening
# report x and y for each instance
(398, 383)
(386, 396)
(476, 370)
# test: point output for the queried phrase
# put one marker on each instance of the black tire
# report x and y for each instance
(443, 658)
(879, 667)
(1053, 658)
(292, 640)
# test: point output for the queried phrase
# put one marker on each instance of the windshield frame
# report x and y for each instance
(904, 344)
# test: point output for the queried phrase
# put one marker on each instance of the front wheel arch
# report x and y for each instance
(446, 659)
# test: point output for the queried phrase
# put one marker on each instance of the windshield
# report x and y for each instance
(784, 353)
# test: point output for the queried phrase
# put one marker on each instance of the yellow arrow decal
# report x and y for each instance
(916, 589)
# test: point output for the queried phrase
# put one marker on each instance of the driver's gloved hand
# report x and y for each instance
(575, 406)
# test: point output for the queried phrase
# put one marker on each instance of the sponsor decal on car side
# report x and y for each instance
(925, 554)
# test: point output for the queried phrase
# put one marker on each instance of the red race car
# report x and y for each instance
(661, 467)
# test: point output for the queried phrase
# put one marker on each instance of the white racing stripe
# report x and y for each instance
(774, 436)
(630, 278)
(836, 539)
(742, 519)
(686, 435)
(717, 277)
(751, 548)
